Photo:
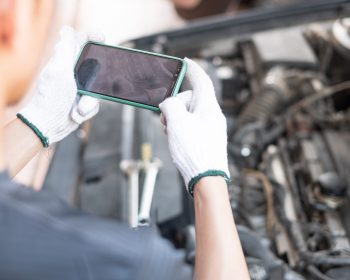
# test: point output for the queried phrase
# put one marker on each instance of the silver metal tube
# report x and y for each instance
(132, 168)
(127, 140)
(133, 199)
(151, 170)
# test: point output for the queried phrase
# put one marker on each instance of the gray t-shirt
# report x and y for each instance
(42, 237)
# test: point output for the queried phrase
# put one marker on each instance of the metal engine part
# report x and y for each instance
(290, 153)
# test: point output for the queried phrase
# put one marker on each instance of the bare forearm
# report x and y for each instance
(218, 250)
(21, 145)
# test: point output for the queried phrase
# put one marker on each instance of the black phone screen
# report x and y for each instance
(126, 74)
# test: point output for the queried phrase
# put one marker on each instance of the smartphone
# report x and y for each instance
(129, 76)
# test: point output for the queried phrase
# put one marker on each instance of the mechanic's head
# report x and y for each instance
(24, 27)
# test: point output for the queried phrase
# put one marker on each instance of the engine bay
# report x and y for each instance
(286, 96)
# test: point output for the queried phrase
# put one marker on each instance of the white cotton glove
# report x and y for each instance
(56, 110)
(196, 129)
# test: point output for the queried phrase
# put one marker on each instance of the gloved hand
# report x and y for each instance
(56, 110)
(196, 129)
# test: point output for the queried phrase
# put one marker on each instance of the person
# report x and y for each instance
(42, 237)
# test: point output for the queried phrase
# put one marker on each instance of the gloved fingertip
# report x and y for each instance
(165, 104)
(66, 41)
(189, 62)
(66, 29)
(187, 59)
(186, 98)
(96, 37)
(162, 119)
(186, 92)
(70, 43)
(164, 129)
(162, 106)
(87, 104)
(75, 116)
(79, 118)
(196, 72)
(171, 102)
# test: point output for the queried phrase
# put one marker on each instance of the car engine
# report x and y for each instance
(286, 96)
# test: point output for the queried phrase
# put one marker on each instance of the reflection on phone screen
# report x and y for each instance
(125, 74)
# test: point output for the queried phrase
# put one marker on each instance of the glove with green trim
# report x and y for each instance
(56, 110)
(196, 129)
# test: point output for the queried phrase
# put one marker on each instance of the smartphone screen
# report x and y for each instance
(126, 74)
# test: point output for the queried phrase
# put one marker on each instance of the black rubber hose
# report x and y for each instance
(314, 259)
(262, 107)
(253, 247)
(316, 274)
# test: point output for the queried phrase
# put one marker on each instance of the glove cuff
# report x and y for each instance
(208, 173)
(44, 140)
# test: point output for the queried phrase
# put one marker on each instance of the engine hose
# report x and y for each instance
(275, 95)
(261, 107)
(314, 259)
(308, 257)
(317, 274)
(253, 247)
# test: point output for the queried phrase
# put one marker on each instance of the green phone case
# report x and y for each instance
(133, 103)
